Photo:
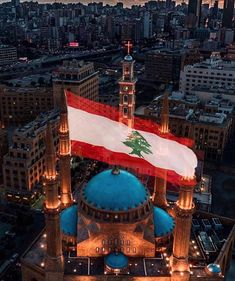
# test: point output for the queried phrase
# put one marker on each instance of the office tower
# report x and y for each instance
(228, 13)
(194, 13)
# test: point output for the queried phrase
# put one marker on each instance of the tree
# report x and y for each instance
(138, 144)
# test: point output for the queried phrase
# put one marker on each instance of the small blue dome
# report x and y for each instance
(68, 220)
(163, 223)
(128, 58)
(116, 260)
(214, 268)
(115, 192)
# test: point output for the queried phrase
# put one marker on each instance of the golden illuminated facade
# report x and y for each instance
(64, 155)
(184, 208)
(54, 268)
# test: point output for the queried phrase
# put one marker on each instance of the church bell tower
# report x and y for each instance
(127, 90)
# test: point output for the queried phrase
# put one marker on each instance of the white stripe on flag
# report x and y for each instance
(101, 131)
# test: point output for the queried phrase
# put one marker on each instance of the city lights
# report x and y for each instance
(116, 139)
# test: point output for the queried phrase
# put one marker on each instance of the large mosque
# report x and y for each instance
(118, 230)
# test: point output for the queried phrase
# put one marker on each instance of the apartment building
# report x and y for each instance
(24, 164)
(77, 76)
(211, 72)
(19, 106)
(208, 125)
(164, 65)
(8, 55)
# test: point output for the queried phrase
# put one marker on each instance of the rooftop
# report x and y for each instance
(208, 235)
(215, 89)
(213, 63)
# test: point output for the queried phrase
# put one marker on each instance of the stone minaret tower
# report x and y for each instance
(184, 209)
(64, 155)
(127, 90)
(160, 183)
(54, 259)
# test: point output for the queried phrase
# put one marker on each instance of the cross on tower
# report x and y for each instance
(129, 46)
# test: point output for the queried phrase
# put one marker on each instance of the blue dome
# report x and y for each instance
(116, 260)
(115, 192)
(68, 220)
(128, 58)
(163, 223)
(214, 268)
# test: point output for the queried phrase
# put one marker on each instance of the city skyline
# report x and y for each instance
(127, 3)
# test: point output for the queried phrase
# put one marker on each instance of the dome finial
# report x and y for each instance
(115, 170)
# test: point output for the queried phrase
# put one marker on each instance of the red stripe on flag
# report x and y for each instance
(113, 114)
(140, 166)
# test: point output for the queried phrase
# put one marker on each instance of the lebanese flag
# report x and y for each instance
(96, 133)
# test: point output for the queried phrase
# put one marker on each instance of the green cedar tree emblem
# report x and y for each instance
(138, 144)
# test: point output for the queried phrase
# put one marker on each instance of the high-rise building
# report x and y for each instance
(194, 13)
(147, 25)
(8, 55)
(24, 164)
(3, 149)
(215, 9)
(77, 76)
(163, 65)
(228, 13)
(15, 3)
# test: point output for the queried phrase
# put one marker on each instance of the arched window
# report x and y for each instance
(125, 111)
(125, 98)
